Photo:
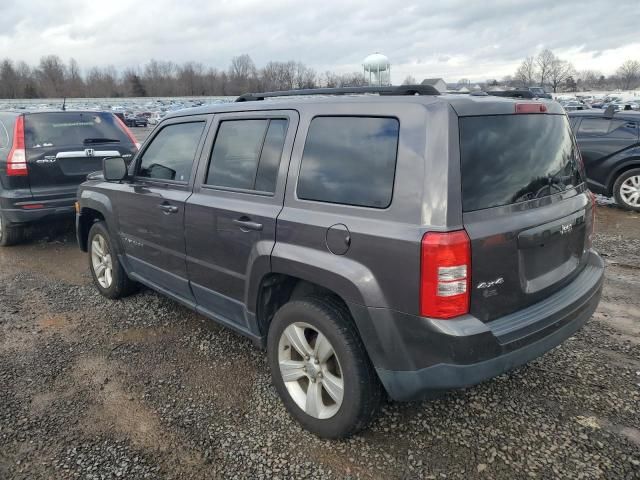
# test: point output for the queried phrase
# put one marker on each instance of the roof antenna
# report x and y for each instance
(64, 104)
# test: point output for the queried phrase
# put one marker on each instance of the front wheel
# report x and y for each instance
(626, 190)
(320, 368)
(108, 275)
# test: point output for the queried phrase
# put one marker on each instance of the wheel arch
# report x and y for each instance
(630, 164)
(94, 206)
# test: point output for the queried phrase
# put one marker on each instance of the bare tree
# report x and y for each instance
(409, 80)
(559, 71)
(242, 75)
(51, 74)
(588, 79)
(629, 74)
(9, 80)
(526, 72)
(544, 63)
(52, 78)
(103, 82)
(75, 84)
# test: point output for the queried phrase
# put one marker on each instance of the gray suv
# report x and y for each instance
(389, 241)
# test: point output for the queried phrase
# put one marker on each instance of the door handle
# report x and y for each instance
(246, 224)
(166, 208)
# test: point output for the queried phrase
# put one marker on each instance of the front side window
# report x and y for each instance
(246, 154)
(171, 153)
(350, 160)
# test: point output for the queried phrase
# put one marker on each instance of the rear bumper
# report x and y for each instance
(414, 356)
(17, 211)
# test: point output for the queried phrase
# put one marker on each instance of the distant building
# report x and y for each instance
(438, 83)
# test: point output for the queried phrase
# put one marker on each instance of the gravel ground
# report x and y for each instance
(144, 388)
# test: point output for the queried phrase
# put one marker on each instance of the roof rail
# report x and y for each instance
(397, 90)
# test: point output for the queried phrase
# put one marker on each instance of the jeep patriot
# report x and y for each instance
(374, 240)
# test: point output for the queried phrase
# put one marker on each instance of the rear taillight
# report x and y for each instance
(445, 274)
(126, 130)
(17, 159)
(531, 108)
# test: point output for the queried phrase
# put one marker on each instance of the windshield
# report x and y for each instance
(507, 159)
(72, 128)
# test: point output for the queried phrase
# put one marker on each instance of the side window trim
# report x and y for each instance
(209, 155)
(135, 165)
(4, 138)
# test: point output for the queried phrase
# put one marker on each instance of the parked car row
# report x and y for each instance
(397, 244)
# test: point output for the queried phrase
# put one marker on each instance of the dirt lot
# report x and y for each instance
(144, 388)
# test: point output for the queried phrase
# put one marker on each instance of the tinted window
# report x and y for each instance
(171, 153)
(350, 160)
(246, 154)
(514, 158)
(270, 158)
(4, 135)
(594, 126)
(623, 130)
(55, 129)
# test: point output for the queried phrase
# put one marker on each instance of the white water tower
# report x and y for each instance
(377, 69)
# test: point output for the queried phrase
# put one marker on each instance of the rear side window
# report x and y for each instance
(350, 160)
(42, 130)
(170, 154)
(246, 154)
(594, 126)
(508, 159)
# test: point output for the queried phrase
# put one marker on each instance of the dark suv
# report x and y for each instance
(610, 146)
(44, 156)
(399, 243)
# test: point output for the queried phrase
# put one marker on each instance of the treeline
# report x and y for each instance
(548, 70)
(53, 78)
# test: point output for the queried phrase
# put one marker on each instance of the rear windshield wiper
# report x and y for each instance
(100, 140)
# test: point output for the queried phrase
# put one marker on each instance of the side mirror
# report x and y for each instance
(114, 169)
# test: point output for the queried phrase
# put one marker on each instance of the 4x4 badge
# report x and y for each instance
(492, 283)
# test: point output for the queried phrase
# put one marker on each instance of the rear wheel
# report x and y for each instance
(320, 368)
(9, 235)
(108, 275)
(626, 190)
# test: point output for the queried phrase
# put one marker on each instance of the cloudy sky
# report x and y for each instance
(447, 38)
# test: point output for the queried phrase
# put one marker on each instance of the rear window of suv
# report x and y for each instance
(72, 128)
(350, 160)
(508, 159)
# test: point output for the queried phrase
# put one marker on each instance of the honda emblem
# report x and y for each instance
(89, 152)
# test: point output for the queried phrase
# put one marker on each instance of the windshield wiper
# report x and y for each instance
(100, 140)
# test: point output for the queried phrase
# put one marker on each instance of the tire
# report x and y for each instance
(331, 415)
(626, 190)
(9, 235)
(102, 254)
